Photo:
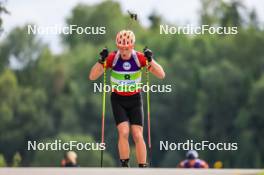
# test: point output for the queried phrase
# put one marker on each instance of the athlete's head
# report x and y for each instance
(192, 154)
(125, 40)
(71, 157)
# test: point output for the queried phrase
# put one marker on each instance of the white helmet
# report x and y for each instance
(192, 154)
(125, 38)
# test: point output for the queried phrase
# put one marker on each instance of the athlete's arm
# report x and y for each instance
(204, 165)
(156, 69)
(96, 71)
(181, 165)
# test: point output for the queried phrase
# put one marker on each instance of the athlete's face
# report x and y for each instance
(125, 52)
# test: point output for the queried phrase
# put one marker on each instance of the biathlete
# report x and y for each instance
(193, 161)
(126, 65)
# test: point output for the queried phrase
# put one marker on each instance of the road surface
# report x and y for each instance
(129, 171)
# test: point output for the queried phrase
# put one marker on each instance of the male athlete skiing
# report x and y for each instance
(126, 65)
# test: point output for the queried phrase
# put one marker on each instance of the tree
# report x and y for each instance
(155, 20)
(207, 11)
(231, 16)
(8, 95)
(16, 160)
(256, 120)
(3, 10)
(254, 22)
(215, 12)
(19, 47)
(2, 161)
(87, 16)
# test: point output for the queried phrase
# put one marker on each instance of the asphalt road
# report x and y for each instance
(129, 171)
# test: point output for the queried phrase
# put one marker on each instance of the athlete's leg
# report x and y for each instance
(123, 144)
(122, 124)
(141, 153)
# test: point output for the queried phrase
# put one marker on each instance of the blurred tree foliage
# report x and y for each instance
(3, 10)
(217, 83)
(2, 161)
(16, 160)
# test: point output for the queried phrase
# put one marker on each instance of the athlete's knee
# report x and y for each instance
(123, 133)
(137, 136)
(123, 130)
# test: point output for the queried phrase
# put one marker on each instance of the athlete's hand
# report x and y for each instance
(148, 54)
(103, 55)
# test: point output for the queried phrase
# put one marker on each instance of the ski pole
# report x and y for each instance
(148, 113)
(103, 114)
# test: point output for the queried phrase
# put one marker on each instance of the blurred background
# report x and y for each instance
(218, 80)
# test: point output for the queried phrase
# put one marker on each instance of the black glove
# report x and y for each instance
(148, 54)
(103, 55)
